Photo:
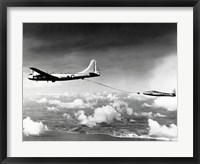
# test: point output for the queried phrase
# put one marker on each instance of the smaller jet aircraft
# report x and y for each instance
(91, 71)
(157, 93)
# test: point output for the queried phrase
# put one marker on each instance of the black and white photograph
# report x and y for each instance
(100, 82)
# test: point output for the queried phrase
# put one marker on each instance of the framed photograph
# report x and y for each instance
(113, 81)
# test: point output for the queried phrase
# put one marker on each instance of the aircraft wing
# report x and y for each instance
(43, 73)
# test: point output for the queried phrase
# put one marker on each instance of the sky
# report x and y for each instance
(130, 56)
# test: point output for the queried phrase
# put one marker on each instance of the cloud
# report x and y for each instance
(54, 109)
(161, 130)
(66, 115)
(55, 102)
(33, 128)
(122, 107)
(159, 115)
(85, 120)
(111, 97)
(103, 114)
(42, 100)
(143, 114)
(106, 114)
(148, 114)
(94, 97)
(129, 111)
(146, 105)
(77, 103)
(169, 103)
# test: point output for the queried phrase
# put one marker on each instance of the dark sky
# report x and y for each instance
(131, 56)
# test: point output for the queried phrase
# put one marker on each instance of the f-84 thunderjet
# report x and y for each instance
(157, 93)
(91, 71)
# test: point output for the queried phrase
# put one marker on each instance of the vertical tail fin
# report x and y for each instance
(92, 68)
(174, 92)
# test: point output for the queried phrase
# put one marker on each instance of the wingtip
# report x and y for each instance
(32, 68)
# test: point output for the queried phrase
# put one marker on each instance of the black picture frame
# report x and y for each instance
(4, 4)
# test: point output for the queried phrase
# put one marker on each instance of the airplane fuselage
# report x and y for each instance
(161, 94)
(156, 93)
(62, 77)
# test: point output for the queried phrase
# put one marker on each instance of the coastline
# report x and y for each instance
(64, 136)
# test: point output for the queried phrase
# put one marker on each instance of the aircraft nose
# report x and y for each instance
(30, 76)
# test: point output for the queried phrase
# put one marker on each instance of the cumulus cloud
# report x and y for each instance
(77, 103)
(33, 128)
(122, 107)
(106, 114)
(103, 114)
(42, 100)
(129, 111)
(85, 120)
(169, 103)
(113, 111)
(162, 130)
(111, 97)
(54, 109)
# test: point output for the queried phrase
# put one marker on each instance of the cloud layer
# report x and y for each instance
(102, 112)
